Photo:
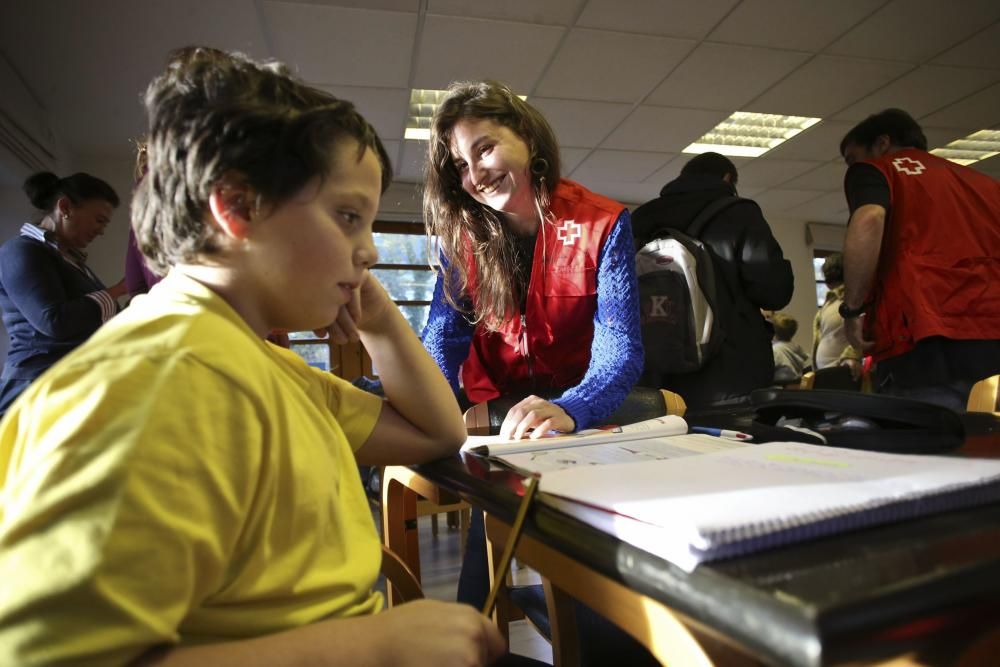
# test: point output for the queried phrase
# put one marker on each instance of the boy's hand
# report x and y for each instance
(444, 634)
(368, 303)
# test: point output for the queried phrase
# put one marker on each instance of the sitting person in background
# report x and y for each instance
(790, 360)
(830, 345)
(51, 300)
(178, 491)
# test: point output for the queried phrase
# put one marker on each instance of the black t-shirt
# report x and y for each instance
(865, 184)
(524, 247)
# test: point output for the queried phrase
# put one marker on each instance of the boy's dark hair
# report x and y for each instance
(214, 114)
(711, 164)
(45, 188)
(784, 326)
(896, 124)
(833, 269)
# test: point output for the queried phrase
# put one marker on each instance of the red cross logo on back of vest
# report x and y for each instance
(569, 231)
(909, 166)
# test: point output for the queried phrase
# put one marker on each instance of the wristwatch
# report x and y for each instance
(850, 313)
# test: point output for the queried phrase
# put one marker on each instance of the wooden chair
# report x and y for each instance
(400, 577)
(983, 397)
(834, 377)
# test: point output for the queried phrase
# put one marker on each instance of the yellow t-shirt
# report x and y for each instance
(178, 480)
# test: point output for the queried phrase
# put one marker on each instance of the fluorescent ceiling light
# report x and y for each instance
(423, 103)
(746, 134)
(977, 146)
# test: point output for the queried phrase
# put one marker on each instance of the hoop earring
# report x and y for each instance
(539, 167)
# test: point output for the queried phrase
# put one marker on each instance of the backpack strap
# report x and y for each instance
(708, 214)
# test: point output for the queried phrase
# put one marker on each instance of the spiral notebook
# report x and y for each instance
(728, 503)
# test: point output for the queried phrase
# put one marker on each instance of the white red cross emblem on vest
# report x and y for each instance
(569, 232)
(909, 166)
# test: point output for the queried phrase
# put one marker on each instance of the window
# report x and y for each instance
(405, 271)
(819, 256)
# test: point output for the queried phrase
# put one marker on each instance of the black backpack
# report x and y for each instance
(679, 296)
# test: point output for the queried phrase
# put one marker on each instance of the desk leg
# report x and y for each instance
(562, 620)
(494, 551)
(673, 639)
(399, 527)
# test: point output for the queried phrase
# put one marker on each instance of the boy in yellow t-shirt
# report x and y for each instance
(179, 491)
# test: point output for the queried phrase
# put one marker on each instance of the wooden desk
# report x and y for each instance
(916, 592)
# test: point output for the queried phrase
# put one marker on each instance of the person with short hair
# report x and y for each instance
(751, 274)
(177, 491)
(51, 300)
(921, 263)
(790, 360)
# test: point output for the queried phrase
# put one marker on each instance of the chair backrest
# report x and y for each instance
(832, 377)
(400, 577)
(983, 397)
(641, 403)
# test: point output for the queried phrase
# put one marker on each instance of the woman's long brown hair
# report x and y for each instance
(467, 230)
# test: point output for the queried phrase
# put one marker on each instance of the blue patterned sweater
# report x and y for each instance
(616, 355)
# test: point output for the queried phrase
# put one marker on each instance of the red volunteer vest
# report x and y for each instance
(549, 346)
(939, 267)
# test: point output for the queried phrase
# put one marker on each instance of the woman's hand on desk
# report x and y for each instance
(429, 632)
(536, 415)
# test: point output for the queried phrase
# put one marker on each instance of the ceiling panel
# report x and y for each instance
(620, 166)
(760, 173)
(821, 86)
(980, 50)
(553, 12)
(668, 172)
(828, 177)
(978, 111)
(390, 5)
(830, 208)
(724, 77)
(941, 136)
(384, 108)
(411, 161)
(914, 30)
(461, 49)
(579, 123)
(613, 66)
(923, 91)
(791, 24)
(571, 157)
(672, 18)
(662, 129)
(631, 195)
(820, 142)
(332, 45)
(783, 199)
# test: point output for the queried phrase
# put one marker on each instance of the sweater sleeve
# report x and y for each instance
(616, 354)
(447, 336)
(33, 285)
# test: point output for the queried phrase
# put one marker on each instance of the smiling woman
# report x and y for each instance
(50, 298)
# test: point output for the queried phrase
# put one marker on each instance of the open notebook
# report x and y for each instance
(726, 503)
(651, 440)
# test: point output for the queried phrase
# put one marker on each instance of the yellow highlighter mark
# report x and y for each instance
(788, 458)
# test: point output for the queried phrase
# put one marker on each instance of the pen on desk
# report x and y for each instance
(508, 551)
(721, 433)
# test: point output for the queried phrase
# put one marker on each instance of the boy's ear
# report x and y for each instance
(232, 209)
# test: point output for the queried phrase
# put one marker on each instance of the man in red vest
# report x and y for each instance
(921, 263)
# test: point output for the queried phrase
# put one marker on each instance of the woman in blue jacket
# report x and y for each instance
(50, 298)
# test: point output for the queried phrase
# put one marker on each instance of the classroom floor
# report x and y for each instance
(440, 563)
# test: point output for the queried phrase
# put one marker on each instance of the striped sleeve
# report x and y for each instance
(107, 305)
